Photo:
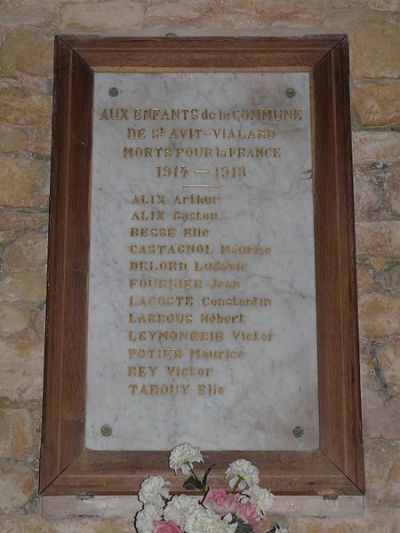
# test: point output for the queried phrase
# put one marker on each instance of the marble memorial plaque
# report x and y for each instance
(202, 318)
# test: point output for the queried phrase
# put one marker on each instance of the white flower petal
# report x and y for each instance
(263, 499)
(146, 517)
(183, 456)
(153, 490)
(179, 508)
(242, 474)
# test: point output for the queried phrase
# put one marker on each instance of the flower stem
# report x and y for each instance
(193, 472)
(239, 479)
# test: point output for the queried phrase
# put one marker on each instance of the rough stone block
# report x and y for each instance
(25, 181)
(17, 484)
(28, 52)
(21, 377)
(14, 138)
(278, 13)
(376, 103)
(378, 238)
(376, 148)
(378, 315)
(115, 14)
(367, 195)
(383, 470)
(366, 278)
(29, 251)
(380, 412)
(14, 220)
(24, 102)
(41, 143)
(388, 357)
(374, 38)
(384, 5)
(375, 520)
(15, 433)
(28, 286)
(392, 191)
(33, 12)
(13, 318)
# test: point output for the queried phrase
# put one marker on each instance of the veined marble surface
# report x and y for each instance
(271, 389)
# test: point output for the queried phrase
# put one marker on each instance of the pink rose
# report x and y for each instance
(248, 512)
(220, 501)
(167, 526)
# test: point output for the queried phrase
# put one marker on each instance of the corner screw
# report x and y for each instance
(379, 165)
(298, 432)
(113, 92)
(106, 430)
(290, 92)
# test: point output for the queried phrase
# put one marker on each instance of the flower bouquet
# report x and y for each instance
(240, 509)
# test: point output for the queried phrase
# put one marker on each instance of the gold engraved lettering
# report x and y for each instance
(243, 250)
(217, 318)
(240, 134)
(178, 114)
(130, 152)
(111, 113)
(142, 371)
(163, 266)
(210, 390)
(170, 249)
(166, 283)
(224, 284)
(169, 354)
(195, 232)
(196, 199)
(187, 216)
(253, 336)
(148, 215)
(218, 266)
(215, 355)
(160, 318)
(136, 133)
(235, 301)
(160, 336)
(155, 113)
(188, 371)
(180, 301)
(185, 133)
(148, 199)
(159, 390)
(153, 232)
(271, 114)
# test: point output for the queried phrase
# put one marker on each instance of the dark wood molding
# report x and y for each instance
(66, 466)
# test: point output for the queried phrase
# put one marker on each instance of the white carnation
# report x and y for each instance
(205, 521)
(146, 517)
(263, 499)
(183, 456)
(242, 474)
(179, 508)
(153, 490)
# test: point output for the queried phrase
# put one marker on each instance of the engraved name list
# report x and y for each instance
(201, 291)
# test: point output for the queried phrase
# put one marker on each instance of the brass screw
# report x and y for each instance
(113, 92)
(106, 430)
(298, 432)
(290, 92)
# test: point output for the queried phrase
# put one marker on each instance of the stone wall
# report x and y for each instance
(27, 29)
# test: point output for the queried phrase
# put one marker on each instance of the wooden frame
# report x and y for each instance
(66, 467)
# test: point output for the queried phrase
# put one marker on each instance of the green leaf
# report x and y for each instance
(192, 484)
(243, 527)
(206, 474)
